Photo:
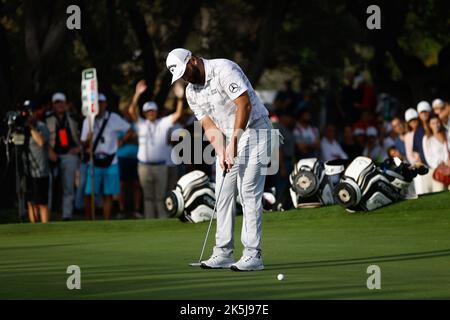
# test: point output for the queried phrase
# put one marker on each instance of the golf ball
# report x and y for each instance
(280, 276)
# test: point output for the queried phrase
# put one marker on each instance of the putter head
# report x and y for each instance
(195, 264)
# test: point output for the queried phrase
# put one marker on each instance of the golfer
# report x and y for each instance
(223, 100)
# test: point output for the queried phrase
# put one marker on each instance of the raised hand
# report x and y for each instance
(141, 86)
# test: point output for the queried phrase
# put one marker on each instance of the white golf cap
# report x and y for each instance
(359, 132)
(411, 114)
(371, 132)
(423, 106)
(102, 97)
(176, 62)
(58, 96)
(148, 106)
(437, 103)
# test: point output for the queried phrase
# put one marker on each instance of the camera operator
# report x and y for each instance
(36, 166)
(64, 147)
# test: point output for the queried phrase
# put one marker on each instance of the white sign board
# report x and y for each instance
(89, 92)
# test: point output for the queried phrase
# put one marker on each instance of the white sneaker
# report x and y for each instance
(217, 262)
(248, 263)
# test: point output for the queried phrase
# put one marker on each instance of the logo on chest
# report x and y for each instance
(233, 87)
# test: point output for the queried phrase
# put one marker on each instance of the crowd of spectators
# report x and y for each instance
(361, 123)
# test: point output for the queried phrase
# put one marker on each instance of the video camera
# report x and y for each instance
(17, 123)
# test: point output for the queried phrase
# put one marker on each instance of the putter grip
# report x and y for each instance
(224, 173)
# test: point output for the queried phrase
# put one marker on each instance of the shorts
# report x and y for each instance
(128, 169)
(106, 180)
(37, 190)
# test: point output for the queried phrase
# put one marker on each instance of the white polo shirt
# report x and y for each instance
(153, 139)
(224, 82)
(107, 144)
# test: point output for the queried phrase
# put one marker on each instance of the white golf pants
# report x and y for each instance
(246, 177)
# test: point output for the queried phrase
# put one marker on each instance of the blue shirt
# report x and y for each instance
(127, 150)
(400, 146)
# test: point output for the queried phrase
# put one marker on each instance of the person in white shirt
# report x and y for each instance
(329, 147)
(224, 102)
(106, 167)
(152, 150)
(435, 149)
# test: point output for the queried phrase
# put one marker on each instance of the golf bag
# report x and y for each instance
(366, 187)
(310, 185)
(193, 198)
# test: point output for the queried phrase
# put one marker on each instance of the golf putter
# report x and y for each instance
(198, 264)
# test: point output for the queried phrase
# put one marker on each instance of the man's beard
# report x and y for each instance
(196, 77)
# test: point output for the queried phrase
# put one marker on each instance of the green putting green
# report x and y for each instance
(323, 253)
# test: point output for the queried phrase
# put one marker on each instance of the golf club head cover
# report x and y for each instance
(309, 184)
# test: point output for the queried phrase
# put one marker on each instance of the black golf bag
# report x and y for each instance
(366, 187)
(193, 198)
(312, 182)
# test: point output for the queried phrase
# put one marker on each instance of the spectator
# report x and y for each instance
(129, 180)
(152, 151)
(438, 106)
(330, 148)
(373, 148)
(436, 150)
(349, 145)
(424, 111)
(63, 151)
(104, 141)
(386, 134)
(307, 137)
(399, 128)
(36, 165)
(412, 120)
(445, 118)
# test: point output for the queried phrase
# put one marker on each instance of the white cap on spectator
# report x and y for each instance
(176, 62)
(59, 96)
(423, 106)
(359, 132)
(411, 114)
(150, 105)
(102, 97)
(437, 103)
(372, 132)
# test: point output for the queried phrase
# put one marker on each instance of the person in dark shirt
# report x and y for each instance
(424, 111)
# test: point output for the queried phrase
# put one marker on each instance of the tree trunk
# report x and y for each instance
(275, 12)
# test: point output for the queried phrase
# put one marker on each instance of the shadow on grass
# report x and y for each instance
(353, 261)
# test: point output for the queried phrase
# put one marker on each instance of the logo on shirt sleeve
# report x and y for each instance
(234, 87)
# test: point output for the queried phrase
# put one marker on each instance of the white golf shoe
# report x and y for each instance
(217, 262)
(248, 263)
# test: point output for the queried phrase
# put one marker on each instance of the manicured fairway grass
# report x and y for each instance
(323, 253)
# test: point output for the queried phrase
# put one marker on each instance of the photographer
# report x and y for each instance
(36, 167)
(64, 147)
